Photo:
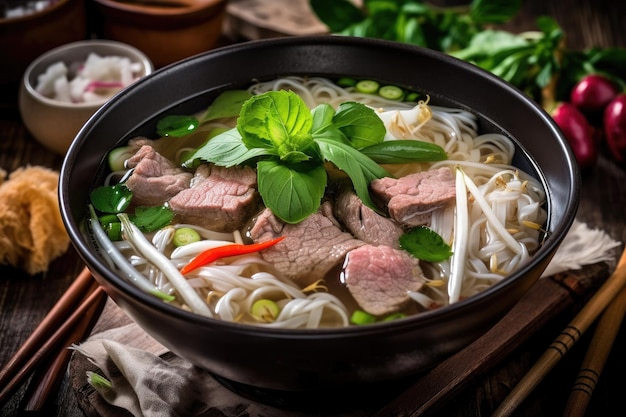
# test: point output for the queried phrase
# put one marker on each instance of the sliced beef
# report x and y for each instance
(363, 222)
(412, 199)
(220, 199)
(137, 142)
(378, 277)
(155, 179)
(311, 248)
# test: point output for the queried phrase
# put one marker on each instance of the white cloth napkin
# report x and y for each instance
(147, 385)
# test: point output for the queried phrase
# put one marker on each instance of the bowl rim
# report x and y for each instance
(124, 49)
(426, 318)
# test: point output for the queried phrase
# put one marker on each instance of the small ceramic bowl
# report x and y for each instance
(53, 122)
(166, 30)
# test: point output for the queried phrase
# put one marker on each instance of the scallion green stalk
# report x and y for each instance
(121, 262)
(147, 250)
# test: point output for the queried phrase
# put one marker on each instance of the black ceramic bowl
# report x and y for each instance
(301, 360)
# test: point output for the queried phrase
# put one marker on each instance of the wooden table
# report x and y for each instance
(24, 300)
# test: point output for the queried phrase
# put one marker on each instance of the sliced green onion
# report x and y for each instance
(411, 96)
(118, 156)
(98, 381)
(391, 92)
(265, 310)
(367, 86)
(113, 230)
(346, 82)
(394, 316)
(184, 236)
(360, 317)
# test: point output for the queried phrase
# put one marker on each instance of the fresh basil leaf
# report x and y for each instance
(226, 149)
(292, 193)
(111, 199)
(322, 117)
(276, 119)
(150, 219)
(361, 169)
(177, 126)
(423, 243)
(404, 151)
(227, 104)
(360, 124)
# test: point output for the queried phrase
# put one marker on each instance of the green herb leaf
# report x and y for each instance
(149, 219)
(111, 199)
(322, 118)
(279, 120)
(361, 169)
(425, 244)
(404, 151)
(291, 192)
(360, 124)
(227, 149)
(177, 126)
(227, 104)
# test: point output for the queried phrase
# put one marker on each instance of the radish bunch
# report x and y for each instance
(594, 115)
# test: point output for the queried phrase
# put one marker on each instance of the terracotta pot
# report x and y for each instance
(166, 30)
(23, 39)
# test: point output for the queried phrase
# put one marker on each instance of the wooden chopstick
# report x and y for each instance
(59, 312)
(58, 323)
(601, 343)
(47, 378)
(568, 337)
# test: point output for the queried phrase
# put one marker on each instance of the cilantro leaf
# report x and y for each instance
(149, 219)
(423, 243)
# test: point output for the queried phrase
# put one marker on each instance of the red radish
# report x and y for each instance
(592, 93)
(578, 132)
(615, 127)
